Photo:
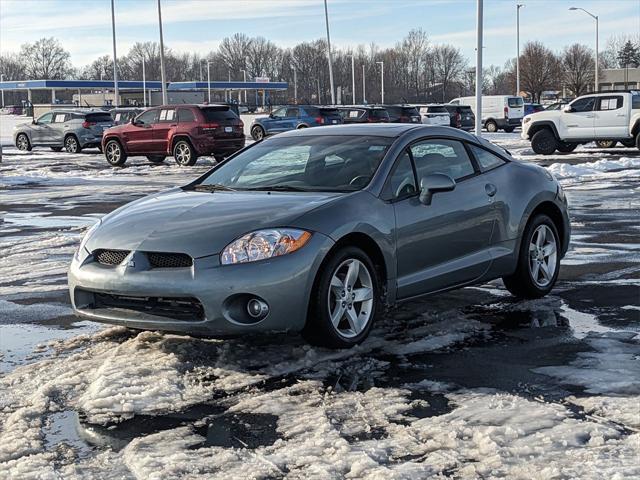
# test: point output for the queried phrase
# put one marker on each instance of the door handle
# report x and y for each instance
(621, 115)
(490, 189)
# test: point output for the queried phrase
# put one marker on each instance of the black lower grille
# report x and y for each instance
(169, 260)
(110, 257)
(177, 308)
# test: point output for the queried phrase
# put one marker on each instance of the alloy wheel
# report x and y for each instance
(71, 145)
(543, 256)
(350, 298)
(22, 142)
(183, 153)
(113, 152)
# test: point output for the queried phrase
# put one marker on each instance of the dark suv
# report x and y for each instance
(184, 131)
(461, 116)
(403, 114)
(364, 114)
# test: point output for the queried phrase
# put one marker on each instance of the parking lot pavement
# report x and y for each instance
(467, 384)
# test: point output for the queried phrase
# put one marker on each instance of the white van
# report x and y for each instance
(498, 111)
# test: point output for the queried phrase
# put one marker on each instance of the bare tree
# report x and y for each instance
(46, 59)
(449, 66)
(12, 67)
(609, 57)
(578, 65)
(540, 70)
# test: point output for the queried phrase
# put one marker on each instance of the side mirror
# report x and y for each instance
(434, 183)
(34, 122)
(568, 109)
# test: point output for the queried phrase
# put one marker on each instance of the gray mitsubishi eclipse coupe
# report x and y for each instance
(316, 230)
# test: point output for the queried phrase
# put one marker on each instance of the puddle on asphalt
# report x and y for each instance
(62, 428)
(220, 429)
(19, 342)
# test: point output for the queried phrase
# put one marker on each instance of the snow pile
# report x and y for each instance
(591, 169)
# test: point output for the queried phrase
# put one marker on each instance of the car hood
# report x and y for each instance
(117, 128)
(545, 115)
(199, 223)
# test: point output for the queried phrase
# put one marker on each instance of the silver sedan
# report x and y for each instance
(316, 230)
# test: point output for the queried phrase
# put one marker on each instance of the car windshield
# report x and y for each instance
(303, 163)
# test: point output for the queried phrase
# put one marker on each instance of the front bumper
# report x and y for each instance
(284, 283)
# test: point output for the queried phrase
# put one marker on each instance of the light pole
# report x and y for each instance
(595, 17)
(326, 17)
(244, 76)
(104, 100)
(200, 70)
(518, 7)
(479, 70)
(364, 87)
(353, 78)
(163, 76)
(144, 85)
(295, 85)
(115, 58)
(381, 81)
(209, 80)
(1, 80)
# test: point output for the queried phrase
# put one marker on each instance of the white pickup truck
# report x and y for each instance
(605, 118)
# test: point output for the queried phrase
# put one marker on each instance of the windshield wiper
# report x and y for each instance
(213, 187)
(277, 188)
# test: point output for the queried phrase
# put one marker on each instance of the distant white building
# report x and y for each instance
(619, 79)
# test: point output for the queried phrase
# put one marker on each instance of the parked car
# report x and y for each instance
(434, 114)
(403, 114)
(365, 114)
(70, 129)
(602, 117)
(317, 230)
(184, 131)
(530, 108)
(503, 112)
(13, 110)
(122, 115)
(461, 116)
(291, 117)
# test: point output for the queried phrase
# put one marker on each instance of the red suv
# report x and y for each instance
(184, 131)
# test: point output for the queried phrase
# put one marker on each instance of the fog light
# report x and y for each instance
(257, 308)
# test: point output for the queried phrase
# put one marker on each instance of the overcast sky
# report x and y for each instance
(84, 26)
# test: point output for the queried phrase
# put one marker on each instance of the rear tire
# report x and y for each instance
(565, 147)
(629, 143)
(184, 154)
(491, 126)
(257, 133)
(509, 129)
(114, 153)
(72, 145)
(544, 142)
(352, 301)
(606, 143)
(23, 143)
(538, 260)
(156, 158)
(56, 149)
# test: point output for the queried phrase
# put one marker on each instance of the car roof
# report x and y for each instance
(392, 130)
(78, 110)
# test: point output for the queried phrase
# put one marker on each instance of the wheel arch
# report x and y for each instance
(636, 128)
(117, 139)
(540, 125)
(551, 210)
(176, 138)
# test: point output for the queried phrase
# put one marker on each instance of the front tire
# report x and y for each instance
(538, 260)
(509, 129)
(114, 153)
(544, 142)
(71, 144)
(23, 143)
(257, 133)
(629, 143)
(606, 143)
(184, 154)
(344, 302)
(491, 126)
(565, 147)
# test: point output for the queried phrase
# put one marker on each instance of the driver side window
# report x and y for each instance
(279, 113)
(441, 156)
(46, 118)
(402, 182)
(583, 104)
(147, 118)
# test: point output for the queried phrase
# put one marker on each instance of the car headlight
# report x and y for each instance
(263, 244)
(86, 237)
